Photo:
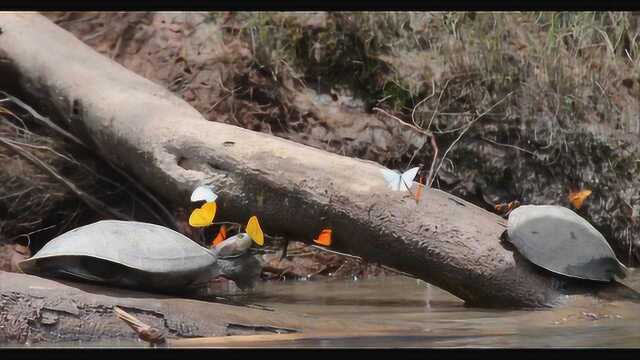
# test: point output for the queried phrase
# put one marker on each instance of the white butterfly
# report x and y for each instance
(203, 193)
(397, 181)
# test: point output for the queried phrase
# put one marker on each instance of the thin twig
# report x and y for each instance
(19, 193)
(323, 268)
(435, 112)
(456, 129)
(226, 223)
(273, 237)
(43, 119)
(413, 127)
(511, 146)
(92, 202)
(403, 123)
(434, 145)
(4, 110)
(169, 218)
(239, 226)
(133, 196)
(69, 159)
(336, 252)
(94, 35)
(28, 235)
(413, 112)
(462, 134)
(397, 271)
(340, 268)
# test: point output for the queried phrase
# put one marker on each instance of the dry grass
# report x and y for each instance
(52, 184)
(27, 196)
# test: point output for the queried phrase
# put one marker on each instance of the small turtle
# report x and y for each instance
(559, 240)
(137, 255)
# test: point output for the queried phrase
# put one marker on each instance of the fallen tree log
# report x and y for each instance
(34, 309)
(294, 189)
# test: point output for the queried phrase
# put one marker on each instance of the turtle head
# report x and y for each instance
(620, 271)
(244, 270)
(234, 246)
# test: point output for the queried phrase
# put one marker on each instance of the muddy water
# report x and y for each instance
(429, 317)
(426, 317)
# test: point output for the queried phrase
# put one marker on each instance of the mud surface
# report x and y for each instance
(34, 310)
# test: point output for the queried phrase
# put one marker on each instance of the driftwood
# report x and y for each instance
(34, 309)
(156, 337)
(294, 189)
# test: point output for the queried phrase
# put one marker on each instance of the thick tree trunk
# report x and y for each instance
(34, 309)
(294, 189)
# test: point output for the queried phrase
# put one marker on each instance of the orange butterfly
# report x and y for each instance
(503, 208)
(324, 238)
(222, 235)
(577, 198)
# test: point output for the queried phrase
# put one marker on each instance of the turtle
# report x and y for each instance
(561, 241)
(137, 255)
(240, 243)
(234, 246)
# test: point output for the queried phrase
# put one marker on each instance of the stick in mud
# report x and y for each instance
(157, 338)
(145, 332)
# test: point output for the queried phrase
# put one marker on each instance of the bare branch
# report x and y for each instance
(435, 112)
(464, 132)
(92, 202)
(511, 146)
(413, 112)
(434, 145)
(403, 123)
(169, 218)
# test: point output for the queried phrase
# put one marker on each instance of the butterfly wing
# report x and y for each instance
(203, 193)
(222, 234)
(203, 216)
(254, 231)
(407, 178)
(577, 198)
(393, 179)
(324, 238)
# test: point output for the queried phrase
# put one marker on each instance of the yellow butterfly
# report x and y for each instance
(203, 216)
(254, 231)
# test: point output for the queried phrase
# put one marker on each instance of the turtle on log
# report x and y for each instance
(137, 255)
(559, 240)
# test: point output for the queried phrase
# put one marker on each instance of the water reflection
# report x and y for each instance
(427, 316)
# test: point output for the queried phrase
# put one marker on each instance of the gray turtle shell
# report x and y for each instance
(126, 253)
(559, 240)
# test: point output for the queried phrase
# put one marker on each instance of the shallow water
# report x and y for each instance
(425, 316)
